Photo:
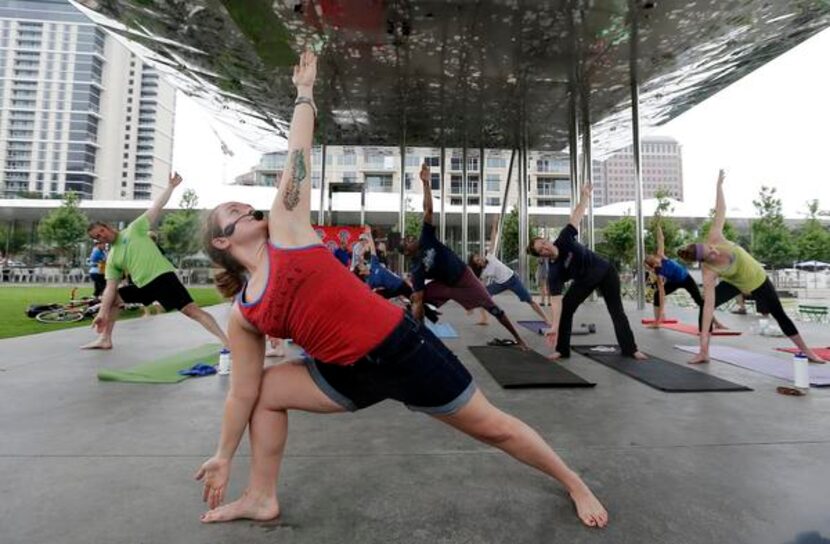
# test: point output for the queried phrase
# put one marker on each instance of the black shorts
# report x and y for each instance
(165, 289)
(411, 365)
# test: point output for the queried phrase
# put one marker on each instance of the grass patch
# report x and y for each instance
(15, 299)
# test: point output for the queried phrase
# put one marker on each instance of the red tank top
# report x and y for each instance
(314, 300)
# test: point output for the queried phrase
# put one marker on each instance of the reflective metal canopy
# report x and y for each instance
(475, 72)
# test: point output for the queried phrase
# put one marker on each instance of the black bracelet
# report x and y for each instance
(306, 100)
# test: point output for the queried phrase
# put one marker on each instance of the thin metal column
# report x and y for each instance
(464, 192)
(443, 190)
(321, 214)
(402, 211)
(637, 148)
(587, 161)
(482, 216)
(573, 146)
(500, 218)
(523, 219)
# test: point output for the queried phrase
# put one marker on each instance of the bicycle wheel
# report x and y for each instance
(60, 316)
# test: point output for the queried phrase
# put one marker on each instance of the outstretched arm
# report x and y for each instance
(161, 200)
(579, 211)
(425, 181)
(290, 220)
(370, 241)
(716, 232)
(661, 242)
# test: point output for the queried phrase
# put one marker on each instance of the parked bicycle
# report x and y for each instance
(75, 310)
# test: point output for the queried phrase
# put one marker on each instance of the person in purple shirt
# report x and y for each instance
(670, 276)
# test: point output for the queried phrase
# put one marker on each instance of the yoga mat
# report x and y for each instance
(645, 321)
(657, 373)
(692, 329)
(539, 327)
(515, 369)
(765, 364)
(442, 330)
(822, 352)
(164, 370)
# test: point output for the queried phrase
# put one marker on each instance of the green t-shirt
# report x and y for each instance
(744, 272)
(134, 251)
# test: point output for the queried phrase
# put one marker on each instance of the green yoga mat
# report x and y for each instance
(164, 370)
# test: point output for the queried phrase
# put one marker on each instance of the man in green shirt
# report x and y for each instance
(154, 277)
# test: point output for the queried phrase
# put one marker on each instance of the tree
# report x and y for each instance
(772, 242)
(65, 227)
(13, 239)
(812, 241)
(413, 220)
(179, 231)
(674, 236)
(619, 242)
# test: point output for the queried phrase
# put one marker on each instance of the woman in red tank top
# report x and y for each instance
(295, 289)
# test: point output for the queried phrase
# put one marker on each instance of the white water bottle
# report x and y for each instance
(224, 361)
(801, 371)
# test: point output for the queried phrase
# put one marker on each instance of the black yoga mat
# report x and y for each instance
(516, 369)
(658, 373)
(539, 327)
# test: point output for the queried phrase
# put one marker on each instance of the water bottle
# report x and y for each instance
(224, 361)
(801, 371)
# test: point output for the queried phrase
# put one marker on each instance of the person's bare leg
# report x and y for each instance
(486, 423)
(482, 319)
(206, 320)
(287, 386)
(802, 345)
(104, 340)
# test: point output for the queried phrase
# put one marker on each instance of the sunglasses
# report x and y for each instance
(228, 231)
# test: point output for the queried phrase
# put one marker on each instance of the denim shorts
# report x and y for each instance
(514, 284)
(411, 366)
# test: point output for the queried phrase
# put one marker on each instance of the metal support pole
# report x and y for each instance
(573, 146)
(464, 192)
(637, 148)
(523, 219)
(587, 164)
(500, 218)
(443, 189)
(482, 216)
(402, 211)
(321, 214)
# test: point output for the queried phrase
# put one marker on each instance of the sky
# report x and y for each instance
(770, 128)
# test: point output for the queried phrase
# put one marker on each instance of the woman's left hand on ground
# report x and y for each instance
(215, 472)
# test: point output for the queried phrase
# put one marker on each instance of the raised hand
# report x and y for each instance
(175, 179)
(305, 72)
(721, 176)
(585, 192)
(424, 173)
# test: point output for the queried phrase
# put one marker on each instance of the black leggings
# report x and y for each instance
(764, 295)
(609, 286)
(689, 284)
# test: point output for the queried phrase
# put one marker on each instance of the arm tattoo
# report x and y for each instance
(291, 197)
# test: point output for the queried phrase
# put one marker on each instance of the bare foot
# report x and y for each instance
(589, 509)
(653, 326)
(523, 347)
(100, 343)
(246, 507)
(699, 359)
(482, 323)
(640, 356)
(555, 356)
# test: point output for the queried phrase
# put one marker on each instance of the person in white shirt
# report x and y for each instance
(498, 277)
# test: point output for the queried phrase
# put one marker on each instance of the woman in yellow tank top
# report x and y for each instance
(739, 273)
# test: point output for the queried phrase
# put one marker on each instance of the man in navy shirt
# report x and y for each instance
(570, 260)
(670, 276)
(343, 254)
(451, 278)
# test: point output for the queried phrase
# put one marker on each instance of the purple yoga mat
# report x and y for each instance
(763, 363)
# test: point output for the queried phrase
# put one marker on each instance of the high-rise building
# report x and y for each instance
(662, 168)
(78, 111)
(379, 169)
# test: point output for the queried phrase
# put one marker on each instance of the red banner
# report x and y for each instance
(332, 236)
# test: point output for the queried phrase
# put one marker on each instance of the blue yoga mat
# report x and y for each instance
(442, 330)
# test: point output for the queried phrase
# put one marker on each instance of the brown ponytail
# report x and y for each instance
(230, 279)
(688, 253)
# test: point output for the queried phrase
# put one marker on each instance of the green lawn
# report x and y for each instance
(14, 300)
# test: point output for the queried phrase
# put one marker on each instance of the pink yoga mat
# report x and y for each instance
(824, 353)
(645, 321)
